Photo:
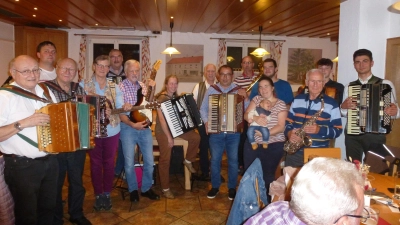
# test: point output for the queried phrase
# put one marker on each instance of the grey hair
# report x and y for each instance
(324, 190)
(313, 71)
(210, 64)
(130, 62)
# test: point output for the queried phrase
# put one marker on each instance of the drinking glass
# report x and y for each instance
(372, 216)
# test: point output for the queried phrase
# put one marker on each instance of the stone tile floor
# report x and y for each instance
(189, 207)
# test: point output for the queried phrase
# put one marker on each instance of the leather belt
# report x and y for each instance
(24, 157)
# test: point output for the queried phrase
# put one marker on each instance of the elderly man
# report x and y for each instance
(222, 141)
(69, 162)
(198, 93)
(30, 174)
(327, 126)
(357, 145)
(325, 191)
(136, 133)
(47, 53)
(282, 88)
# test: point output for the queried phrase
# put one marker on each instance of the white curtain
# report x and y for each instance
(221, 53)
(145, 59)
(275, 49)
(82, 58)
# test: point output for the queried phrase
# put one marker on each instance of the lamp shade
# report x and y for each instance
(336, 59)
(260, 52)
(170, 51)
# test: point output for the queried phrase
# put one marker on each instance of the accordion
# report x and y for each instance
(71, 127)
(181, 114)
(369, 115)
(99, 103)
(225, 113)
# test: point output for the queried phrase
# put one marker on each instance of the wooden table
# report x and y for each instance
(180, 142)
(382, 183)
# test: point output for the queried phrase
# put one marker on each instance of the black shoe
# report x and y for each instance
(151, 195)
(232, 193)
(203, 177)
(212, 193)
(99, 203)
(80, 221)
(107, 202)
(134, 195)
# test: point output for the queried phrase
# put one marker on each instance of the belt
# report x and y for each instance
(24, 157)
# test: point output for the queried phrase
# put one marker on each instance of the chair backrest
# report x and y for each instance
(322, 152)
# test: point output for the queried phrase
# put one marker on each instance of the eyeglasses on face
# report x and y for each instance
(102, 66)
(28, 72)
(363, 218)
(65, 69)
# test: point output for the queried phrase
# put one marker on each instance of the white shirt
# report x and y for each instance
(47, 75)
(14, 108)
(393, 97)
(196, 89)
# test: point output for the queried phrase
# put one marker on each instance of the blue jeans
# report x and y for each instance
(251, 131)
(119, 165)
(218, 144)
(129, 138)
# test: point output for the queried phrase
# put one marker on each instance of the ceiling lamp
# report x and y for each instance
(171, 50)
(229, 59)
(336, 59)
(396, 6)
(260, 52)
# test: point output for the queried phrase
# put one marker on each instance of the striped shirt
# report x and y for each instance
(329, 122)
(243, 81)
(275, 110)
(276, 213)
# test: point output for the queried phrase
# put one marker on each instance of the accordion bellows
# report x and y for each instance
(72, 127)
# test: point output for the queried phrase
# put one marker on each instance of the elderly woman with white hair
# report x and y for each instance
(325, 191)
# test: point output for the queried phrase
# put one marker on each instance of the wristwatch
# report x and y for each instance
(17, 126)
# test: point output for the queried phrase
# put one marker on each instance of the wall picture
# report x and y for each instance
(301, 60)
(187, 66)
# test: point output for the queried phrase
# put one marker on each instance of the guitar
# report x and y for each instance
(145, 114)
(148, 105)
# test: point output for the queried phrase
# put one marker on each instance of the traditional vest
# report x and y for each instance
(372, 80)
(201, 92)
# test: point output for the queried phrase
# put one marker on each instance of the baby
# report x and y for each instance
(265, 106)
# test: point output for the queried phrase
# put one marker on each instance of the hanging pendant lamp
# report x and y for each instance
(260, 52)
(171, 50)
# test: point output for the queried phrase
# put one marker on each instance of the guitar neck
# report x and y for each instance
(150, 92)
(121, 110)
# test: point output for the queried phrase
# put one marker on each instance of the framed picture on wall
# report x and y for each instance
(301, 60)
(187, 66)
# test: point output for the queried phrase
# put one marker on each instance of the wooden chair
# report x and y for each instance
(322, 152)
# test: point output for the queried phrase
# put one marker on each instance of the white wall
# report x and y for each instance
(7, 49)
(157, 45)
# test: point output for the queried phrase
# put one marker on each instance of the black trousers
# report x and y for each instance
(32, 184)
(71, 163)
(204, 149)
(356, 145)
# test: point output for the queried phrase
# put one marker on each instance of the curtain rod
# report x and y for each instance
(110, 35)
(239, 39)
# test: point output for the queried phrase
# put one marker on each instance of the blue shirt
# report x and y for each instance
(282, 88)
(211, 91)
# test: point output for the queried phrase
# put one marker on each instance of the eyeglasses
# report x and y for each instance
(64, 69)
(102, 66)
(29, 72)
(225, 74)
(363, 219)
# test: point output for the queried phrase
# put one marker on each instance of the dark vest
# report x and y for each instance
(372, 80)
(200, 94)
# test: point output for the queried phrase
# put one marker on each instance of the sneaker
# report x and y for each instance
(80, 221)
(265, 145)
(189, 166)
(151, 195)
(212, 193)
(254, 146)
(168, 194)
(134, 196)
(231, 194)
(98, 203)
(107, 202)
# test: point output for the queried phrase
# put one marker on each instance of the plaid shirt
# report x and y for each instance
(130, 89)
(276, 213)
(63, 96)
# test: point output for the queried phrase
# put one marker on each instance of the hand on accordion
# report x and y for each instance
(37, 119)
(349, 104)
(242, 92)
(391, 110)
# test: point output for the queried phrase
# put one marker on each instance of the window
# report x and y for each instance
(236, 51)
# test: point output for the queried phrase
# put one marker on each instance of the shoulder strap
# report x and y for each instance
(216, 88)
(30, 141)
(234, 89)
(27, 94)
(46, 92)
(375, 80)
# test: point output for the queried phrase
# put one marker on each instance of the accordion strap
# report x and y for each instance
(27, 94)
(220, 91)
(30, 141)
(55, 86)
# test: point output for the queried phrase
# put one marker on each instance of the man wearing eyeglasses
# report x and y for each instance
(69, 162)
(325, 191)
(47, 53)
(30, 174)
(325, 127)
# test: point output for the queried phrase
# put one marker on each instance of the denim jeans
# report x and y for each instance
(245, 204)
(218, 144)
(251, 131)
(119, 164)
(129, 138)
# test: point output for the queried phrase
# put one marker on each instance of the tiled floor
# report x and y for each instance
(189, 207)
